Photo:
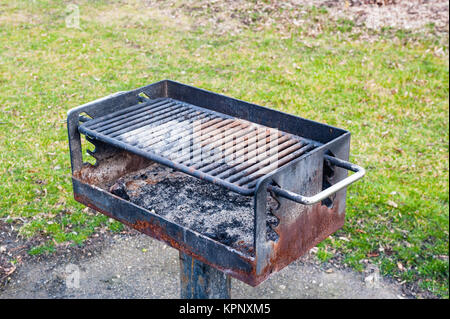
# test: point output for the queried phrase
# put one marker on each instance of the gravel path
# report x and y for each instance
(140, 267)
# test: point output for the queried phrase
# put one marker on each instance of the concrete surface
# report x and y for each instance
(140, 267)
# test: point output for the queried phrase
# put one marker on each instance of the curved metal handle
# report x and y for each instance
(305, 200)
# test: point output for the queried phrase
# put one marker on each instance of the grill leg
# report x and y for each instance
(201, 281)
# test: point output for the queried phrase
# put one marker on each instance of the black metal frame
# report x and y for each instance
(304, 175)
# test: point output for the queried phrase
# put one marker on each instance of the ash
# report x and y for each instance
(206, 208)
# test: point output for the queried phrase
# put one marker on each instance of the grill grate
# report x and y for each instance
(219, 148)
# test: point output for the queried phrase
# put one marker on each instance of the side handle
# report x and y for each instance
(311, 200)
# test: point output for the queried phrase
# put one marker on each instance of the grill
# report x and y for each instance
(293, 169)
(221, 149)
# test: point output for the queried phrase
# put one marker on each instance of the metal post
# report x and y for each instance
(201, 281)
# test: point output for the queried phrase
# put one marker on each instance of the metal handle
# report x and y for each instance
(305, 200)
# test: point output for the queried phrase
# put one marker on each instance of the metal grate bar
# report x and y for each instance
(243, 155)
(186, 136)
(171, 128)
(175, 142)
(235, 146)
(251, 158)
(232, 152)
(273, 157)
(155, 119)
(142, 120)
(263, 170)
(144, 131)
(94, 123)
(204, 134)
(130, 114)
(126, 121)
(220, 146)
(147, 121)
(215, 139)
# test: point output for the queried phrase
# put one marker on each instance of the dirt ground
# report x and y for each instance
(402, 14)
(136, 266)
(234, 16)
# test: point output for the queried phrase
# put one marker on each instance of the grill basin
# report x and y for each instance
(270, 156)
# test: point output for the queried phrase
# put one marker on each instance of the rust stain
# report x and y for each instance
(296, 236)
(299, 236)
(111, 168)
(158, 232)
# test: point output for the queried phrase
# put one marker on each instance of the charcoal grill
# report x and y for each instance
(294, 169)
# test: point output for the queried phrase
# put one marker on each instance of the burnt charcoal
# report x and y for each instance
(226, 239)
(142, 176)
(272, 222)
(224, 226)
(119, 189)
(208, 209)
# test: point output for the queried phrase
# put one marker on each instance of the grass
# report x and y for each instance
(391, 92)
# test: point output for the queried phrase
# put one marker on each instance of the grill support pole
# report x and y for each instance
(201, 281)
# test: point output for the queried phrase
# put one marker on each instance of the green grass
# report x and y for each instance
(391, 93)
